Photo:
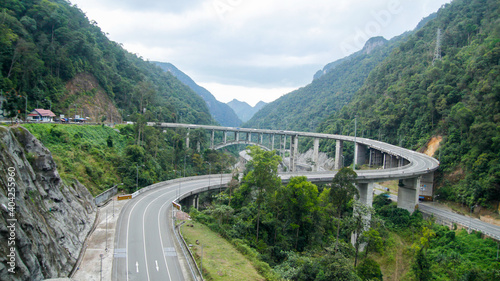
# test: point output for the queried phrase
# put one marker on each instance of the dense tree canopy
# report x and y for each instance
(46, 43)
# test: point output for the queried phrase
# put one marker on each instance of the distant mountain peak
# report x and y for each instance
(221, 112)
(373, 43)
(245, 111)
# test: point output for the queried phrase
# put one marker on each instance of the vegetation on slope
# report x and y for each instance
(221, 260)
(135, 155)
(305, 108)
(46, 43)
(221, 112)
(303, 231)
(408, 98)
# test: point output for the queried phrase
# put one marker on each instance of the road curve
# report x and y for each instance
(419, 163)
(144, 244)
(145, 247)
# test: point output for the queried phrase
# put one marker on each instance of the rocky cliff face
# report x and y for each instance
(44, 222)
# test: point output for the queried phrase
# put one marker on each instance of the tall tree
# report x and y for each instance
(262, 174)
(299, 199)
(342, 191)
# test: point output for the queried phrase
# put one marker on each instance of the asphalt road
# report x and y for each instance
(468, 222)
(145, 246)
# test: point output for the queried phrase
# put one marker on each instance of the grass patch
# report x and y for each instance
(392, 185)
(395, 263)
(83, 152)
(221, 261)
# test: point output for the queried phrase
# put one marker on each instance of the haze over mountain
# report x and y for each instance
(221, 112)
(244, 110)
(440, 86)
(413, 89)
(332, 88)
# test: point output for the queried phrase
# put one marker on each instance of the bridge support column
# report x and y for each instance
(225, 137)
(237, 136)
(284, 146)
(427, 186)
(360, 152)
(365, 193)
(366, 197)
(339, 147)
(384, 166)
(294, 147)
(272, 141)
(187, 139)
(377, 157)
(316, 155)
(212, 140)
(408, 194)
(261, 138)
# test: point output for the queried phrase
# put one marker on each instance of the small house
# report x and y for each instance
(41, 115)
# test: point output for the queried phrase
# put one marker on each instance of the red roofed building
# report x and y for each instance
(41, 115)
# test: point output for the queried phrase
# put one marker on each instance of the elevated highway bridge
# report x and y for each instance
(414, 170)
(145, 247)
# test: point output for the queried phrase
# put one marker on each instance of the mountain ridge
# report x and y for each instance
(245, 111)
(221, 112)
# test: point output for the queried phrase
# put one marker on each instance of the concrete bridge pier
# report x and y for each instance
(360, 154)
(294, 147)
(365, 193)
(366, 198)
(316, 155)
(225, 137)
(272, 141)
(212, 140)
(408, 194)
(187, 139)
(284, 147)
(339, 147)
(376, 157)
(196, 201)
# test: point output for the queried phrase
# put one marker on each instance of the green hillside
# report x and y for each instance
(407, 99)
(49, 51)
(305, 108)
(221, 112)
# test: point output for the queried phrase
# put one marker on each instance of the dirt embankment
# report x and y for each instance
(88, 99)
(433, 145)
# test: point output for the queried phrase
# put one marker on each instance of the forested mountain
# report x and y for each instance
(304, 109)
(452, 91)
(53, 56)
(221, 112)
(244, 110)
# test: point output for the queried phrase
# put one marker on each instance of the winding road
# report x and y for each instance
(145, 245)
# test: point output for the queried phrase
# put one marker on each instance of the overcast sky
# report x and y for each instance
(252, 50)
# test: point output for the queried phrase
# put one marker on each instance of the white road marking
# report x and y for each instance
(157, 267)
(137, 266)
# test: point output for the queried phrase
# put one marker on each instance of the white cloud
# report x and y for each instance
(253, 44)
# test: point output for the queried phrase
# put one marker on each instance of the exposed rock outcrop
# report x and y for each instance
(51, 219)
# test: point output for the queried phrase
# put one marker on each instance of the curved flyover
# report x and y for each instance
(145, 247)
(414, 170)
